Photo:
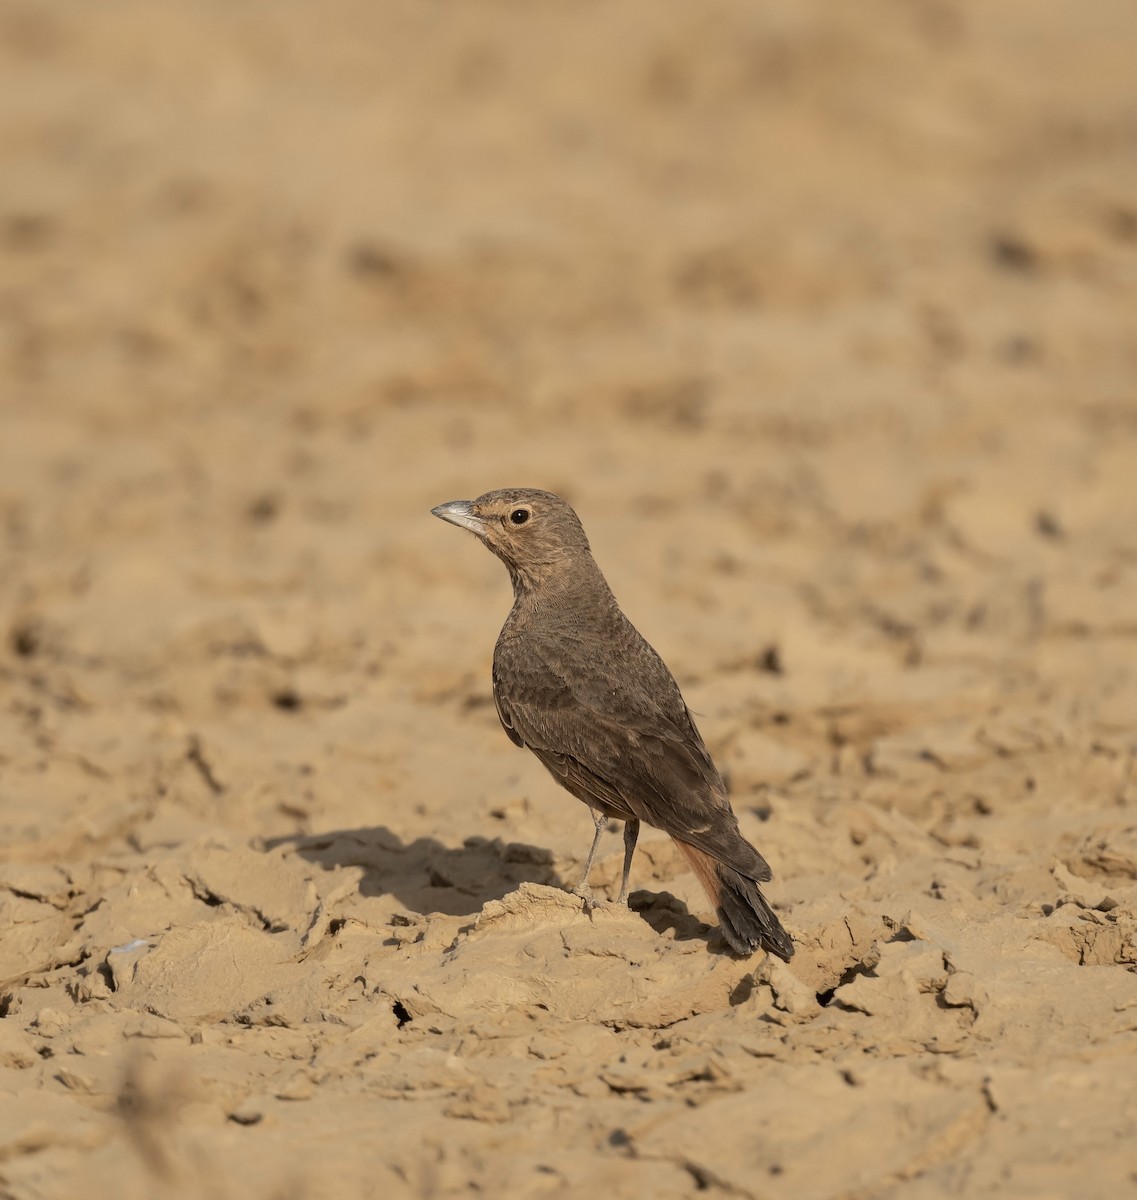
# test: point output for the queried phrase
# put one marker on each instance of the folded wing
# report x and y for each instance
(633, 749)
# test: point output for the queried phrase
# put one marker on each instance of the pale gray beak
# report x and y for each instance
(458, 512)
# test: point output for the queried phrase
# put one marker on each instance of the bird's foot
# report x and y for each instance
(591, 901)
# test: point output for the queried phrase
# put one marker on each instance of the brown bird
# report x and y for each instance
(576, 683)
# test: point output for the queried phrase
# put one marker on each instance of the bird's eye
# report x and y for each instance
(519, 516)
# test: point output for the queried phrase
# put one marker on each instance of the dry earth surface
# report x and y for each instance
(825, 318)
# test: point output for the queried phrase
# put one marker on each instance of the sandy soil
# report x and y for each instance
(825, 319)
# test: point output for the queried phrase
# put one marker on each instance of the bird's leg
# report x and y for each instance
(582, 889)
(631, 833)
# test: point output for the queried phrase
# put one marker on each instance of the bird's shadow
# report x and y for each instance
(663, 911)
(427, 876)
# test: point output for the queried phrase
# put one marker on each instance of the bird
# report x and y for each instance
(575, 683)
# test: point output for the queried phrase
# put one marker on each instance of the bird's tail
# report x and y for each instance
(747, 920)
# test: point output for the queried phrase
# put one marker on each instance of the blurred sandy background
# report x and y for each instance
(825, 318)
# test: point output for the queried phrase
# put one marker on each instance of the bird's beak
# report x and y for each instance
(460, 512)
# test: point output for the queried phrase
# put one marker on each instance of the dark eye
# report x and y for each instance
(519, 516)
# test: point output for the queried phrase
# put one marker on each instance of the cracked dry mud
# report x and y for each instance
(825, 322)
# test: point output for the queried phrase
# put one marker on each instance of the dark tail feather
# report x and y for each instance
(748, 922)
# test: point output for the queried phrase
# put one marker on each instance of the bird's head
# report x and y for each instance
(535, 533)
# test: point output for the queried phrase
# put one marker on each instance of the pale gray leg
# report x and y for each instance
(582, 889)
(631, 833)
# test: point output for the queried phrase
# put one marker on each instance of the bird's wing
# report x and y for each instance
(630, 745)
